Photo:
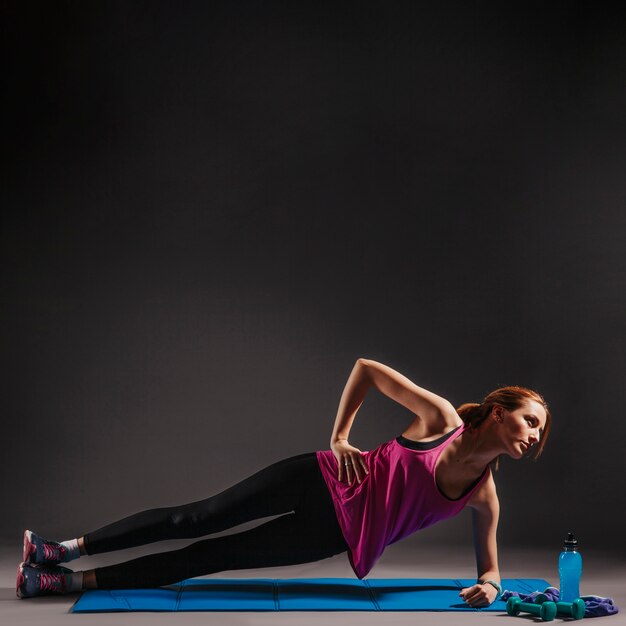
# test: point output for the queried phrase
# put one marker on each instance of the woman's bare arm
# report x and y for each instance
(485, 514)
(434, 411)
(351, 399)
(426, 405)
(349, 459)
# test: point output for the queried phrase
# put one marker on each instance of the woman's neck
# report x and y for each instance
(476, 448)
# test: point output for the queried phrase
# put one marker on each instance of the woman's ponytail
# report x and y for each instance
(470, 413)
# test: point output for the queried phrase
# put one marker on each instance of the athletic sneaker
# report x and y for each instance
(40, 580)
(41, 551)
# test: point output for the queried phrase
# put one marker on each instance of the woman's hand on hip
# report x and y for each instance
(350, 461)
(479, 595)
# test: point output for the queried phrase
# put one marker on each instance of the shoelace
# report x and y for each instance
(51, 582)
(53, 552)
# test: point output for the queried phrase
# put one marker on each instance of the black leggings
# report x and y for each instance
(308, 532)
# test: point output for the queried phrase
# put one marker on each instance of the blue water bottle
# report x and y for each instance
(570, 569)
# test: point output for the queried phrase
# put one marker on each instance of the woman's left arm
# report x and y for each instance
(485, 513)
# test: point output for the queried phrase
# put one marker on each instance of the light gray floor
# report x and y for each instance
(603, 575)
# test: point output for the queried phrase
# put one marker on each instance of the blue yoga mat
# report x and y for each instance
(298, 594)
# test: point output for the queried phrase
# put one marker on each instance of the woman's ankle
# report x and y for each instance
(81, 546)
(89, 579)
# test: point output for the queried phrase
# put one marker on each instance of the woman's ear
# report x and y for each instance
(497, 413)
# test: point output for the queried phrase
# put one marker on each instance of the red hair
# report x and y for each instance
(511, 398)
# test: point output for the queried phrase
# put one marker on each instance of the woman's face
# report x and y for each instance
(521, 428)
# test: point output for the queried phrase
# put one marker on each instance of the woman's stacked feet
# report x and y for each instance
(39, 573)
(42, 580)
(40, 551)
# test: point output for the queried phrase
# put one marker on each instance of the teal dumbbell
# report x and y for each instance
(574, 609)
(546, 611)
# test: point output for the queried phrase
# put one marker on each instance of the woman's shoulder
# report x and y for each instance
(424, 431)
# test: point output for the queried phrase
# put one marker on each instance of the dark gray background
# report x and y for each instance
(212, 209)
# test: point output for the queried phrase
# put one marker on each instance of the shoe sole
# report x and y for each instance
(29, 548)
(19, 581)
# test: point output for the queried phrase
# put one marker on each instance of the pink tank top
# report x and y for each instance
(398, 497)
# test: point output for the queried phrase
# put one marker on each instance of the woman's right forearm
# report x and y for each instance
(351, 399)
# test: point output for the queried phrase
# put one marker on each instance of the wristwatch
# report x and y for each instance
(493, 583)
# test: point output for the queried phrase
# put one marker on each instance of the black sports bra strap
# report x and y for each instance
(425, 445)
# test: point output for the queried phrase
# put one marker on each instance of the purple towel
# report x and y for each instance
(595, 606)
